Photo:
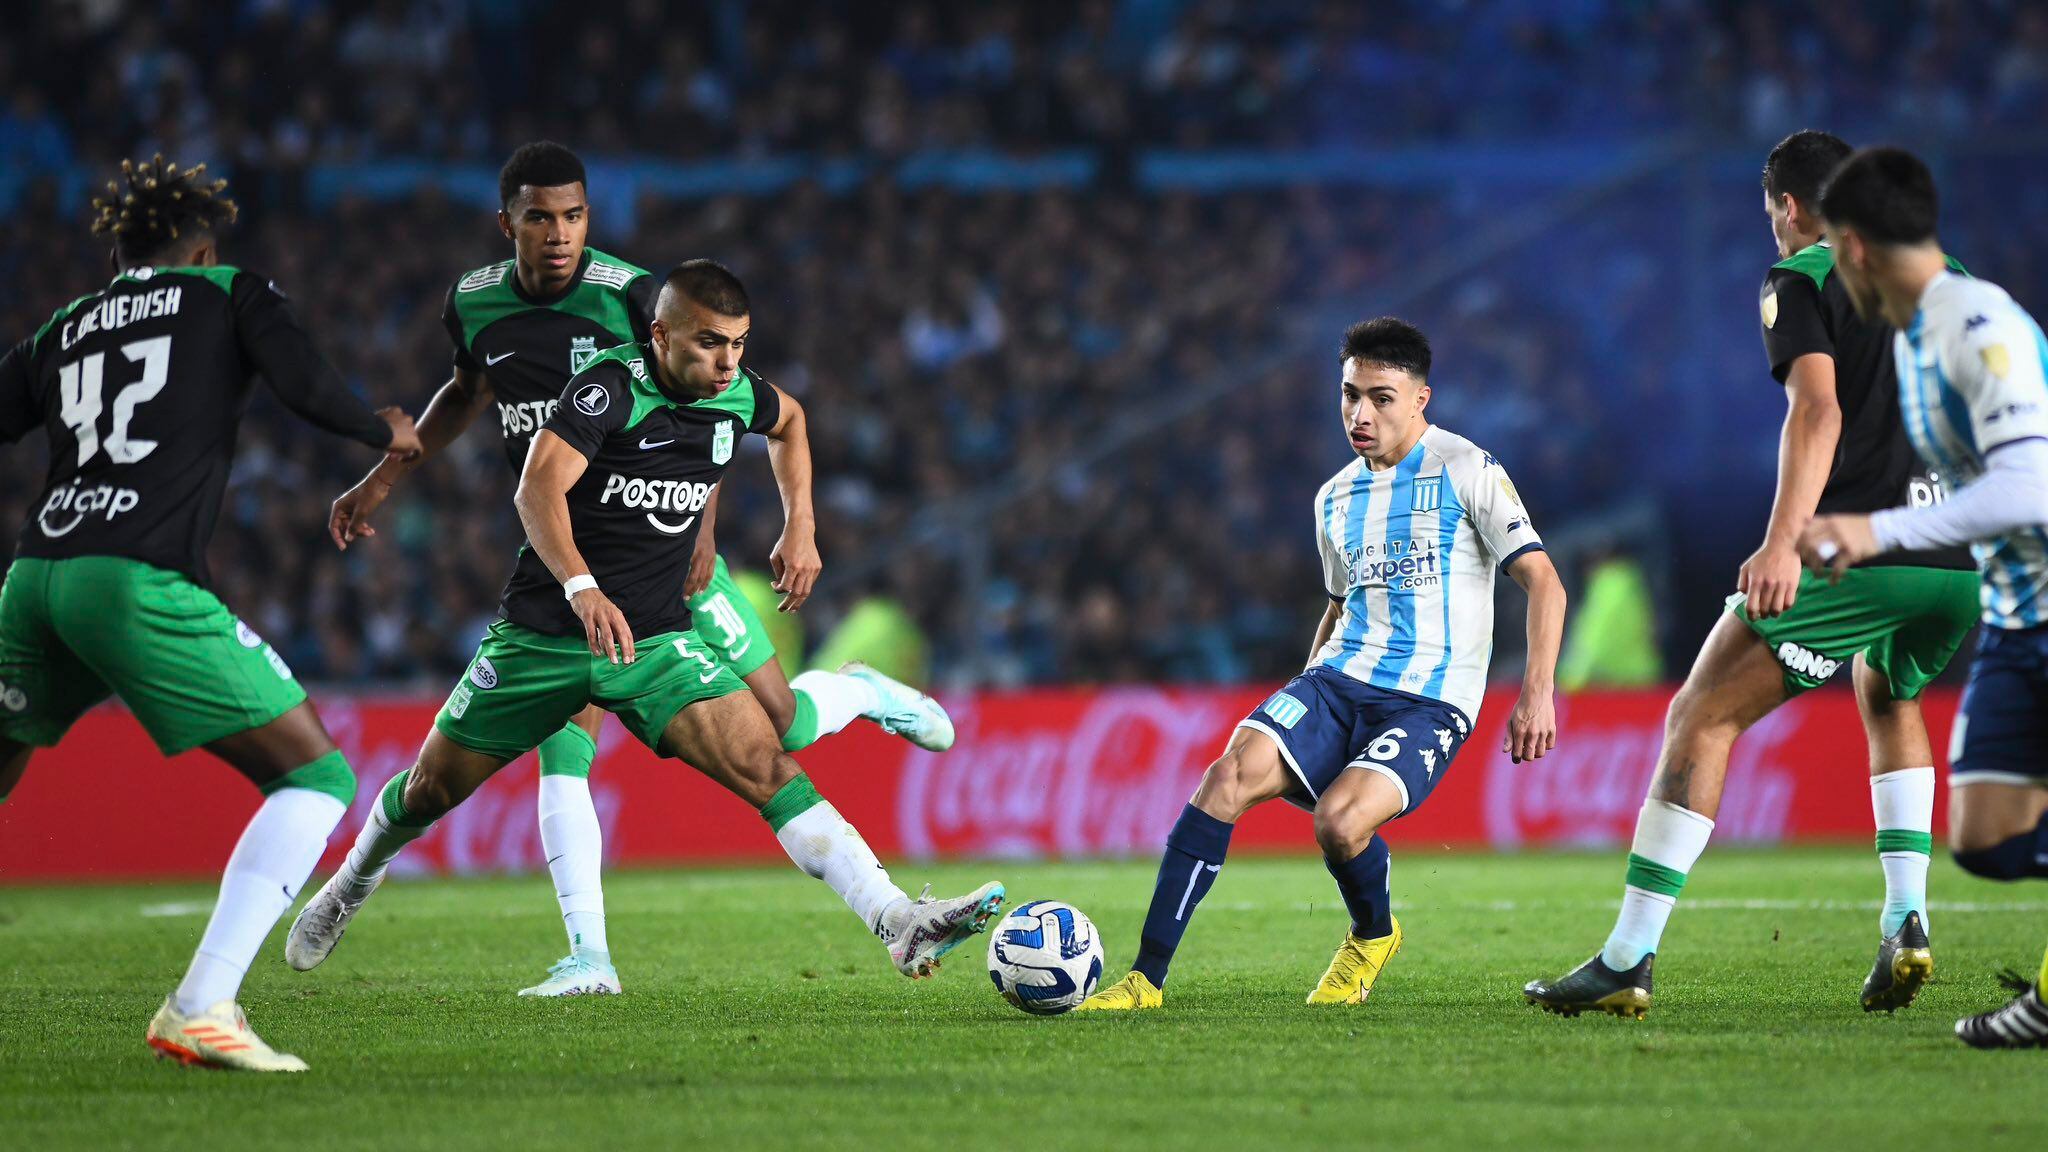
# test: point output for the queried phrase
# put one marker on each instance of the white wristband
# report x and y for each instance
(575, 584)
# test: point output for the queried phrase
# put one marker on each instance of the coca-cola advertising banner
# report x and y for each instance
(1038, 774)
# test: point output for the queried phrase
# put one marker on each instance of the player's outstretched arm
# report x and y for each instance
(18, 411)
(795, 558)
(1532, 728)
(275, 345)
(552, 468)
(1806, 454)
(455, 406)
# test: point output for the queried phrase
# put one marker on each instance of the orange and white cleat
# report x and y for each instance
(219, 1037)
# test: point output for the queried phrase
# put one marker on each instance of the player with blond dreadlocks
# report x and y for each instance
(140, 388)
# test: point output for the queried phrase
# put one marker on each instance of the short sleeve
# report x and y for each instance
(767, 407)
(1336, 578)
(640, 296)
(18, 413)
(1496, 510)
(1999, 373)
(451, 320)
(597, 403)
(1793, 324)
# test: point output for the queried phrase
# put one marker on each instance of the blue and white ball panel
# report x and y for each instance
(1045, 957)
(2001, 733)
(1325, 721)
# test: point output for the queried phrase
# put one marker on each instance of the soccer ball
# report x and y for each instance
(1045, 957)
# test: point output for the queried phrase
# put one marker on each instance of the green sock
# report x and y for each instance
(569, 752)
(794, 799)
(393, 801)
(329, 774)
(803, 727)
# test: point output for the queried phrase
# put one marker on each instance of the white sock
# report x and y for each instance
(1669, 840)
(376, 846)
(826, 847)
(574, 842)
(1903, 803)
(840, 700)
(270, 864)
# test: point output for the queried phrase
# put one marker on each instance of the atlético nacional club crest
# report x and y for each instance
(721, 442)
(582, 350)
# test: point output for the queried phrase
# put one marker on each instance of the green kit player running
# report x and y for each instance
(140, 388)
(611, 496)
(520, 329)
(1898, 619)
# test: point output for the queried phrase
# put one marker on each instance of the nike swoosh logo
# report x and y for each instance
(708, 677)
(646, 445)
(490, 360)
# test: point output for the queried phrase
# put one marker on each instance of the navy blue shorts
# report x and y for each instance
(2001, 734)
(1325, 722)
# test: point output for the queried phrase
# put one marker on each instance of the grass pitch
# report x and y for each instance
(757, 1014)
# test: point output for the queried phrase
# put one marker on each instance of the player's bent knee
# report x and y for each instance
(1343, 831)
(2005, 860)
(1229, 787)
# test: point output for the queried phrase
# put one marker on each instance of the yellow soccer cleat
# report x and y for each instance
(219, 1037)
(1126, 995)
(1355, 966)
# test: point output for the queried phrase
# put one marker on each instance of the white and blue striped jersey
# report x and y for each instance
(1410, 551)
(1971, 378)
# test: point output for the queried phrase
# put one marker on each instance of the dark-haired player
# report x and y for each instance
(1972, 371)
(140, 388)
(521, 328)
(611, 497)
(1897, 620)
(1411, 534)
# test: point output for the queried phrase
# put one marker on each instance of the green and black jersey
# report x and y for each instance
(529, 346)
(1807, 311)
(635, 513)
(141, 389)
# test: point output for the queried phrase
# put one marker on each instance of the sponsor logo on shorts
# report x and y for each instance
(1806, 662)
(246, 635)
(12, 698)
(1285, 710)
(483, 673)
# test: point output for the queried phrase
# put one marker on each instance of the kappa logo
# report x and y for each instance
(593, 399)
(1285, 710)
(246, 635)
(1806, 662)
(1443, 740)
(483, 673)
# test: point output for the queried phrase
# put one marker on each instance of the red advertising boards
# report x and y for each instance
(1035, 774)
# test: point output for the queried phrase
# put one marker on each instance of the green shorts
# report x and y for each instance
(73, 632)
(725, 618)
(1907, 623)
(524, 685)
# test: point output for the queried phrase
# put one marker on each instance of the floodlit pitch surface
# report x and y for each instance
(757, 1014)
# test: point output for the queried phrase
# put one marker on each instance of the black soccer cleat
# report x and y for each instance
(1593, 986)
(2022, 1023)
(1904, 963)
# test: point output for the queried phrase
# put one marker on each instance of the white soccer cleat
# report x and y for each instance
(219, 1037)
(319, 925)
(577, 976)
(903, 710)
(921, 932)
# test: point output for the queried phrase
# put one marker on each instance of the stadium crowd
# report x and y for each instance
(948, 340)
